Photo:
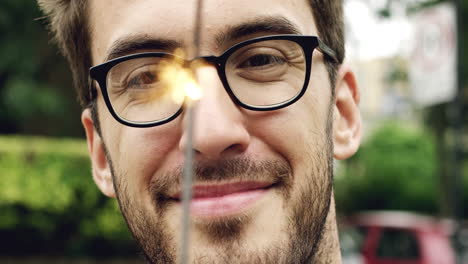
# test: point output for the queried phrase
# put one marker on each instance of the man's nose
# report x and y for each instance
(219, 125)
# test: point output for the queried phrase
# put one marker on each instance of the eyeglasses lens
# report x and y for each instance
(267, 73)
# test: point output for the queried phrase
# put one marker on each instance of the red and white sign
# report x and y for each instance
(432, 67)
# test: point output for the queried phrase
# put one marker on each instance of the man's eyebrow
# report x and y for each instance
(265, 24)
(131, 44)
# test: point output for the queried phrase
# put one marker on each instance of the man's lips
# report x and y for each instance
(219, 190)
(220, 200)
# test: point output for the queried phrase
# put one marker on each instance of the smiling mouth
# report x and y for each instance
(222, 200)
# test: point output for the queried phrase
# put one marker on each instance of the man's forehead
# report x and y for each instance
(116, 22)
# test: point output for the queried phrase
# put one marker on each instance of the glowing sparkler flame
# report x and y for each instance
(180, 79)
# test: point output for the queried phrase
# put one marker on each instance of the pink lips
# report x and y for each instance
(211, 201)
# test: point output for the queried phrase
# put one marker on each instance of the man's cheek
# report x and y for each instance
(145, 154)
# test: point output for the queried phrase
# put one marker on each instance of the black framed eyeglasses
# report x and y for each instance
(260, 74)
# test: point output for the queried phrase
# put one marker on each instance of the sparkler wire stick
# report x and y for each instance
(187, 188)
(188, 162)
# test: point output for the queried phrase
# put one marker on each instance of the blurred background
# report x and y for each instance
(402, 198)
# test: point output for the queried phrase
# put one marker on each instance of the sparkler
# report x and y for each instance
(182, 81)
(188, 162)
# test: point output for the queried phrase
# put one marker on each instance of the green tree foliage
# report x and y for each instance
(36, 94)
(394, 169)
(49, 204)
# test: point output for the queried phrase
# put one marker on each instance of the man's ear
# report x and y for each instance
(347, 118)
(100, 166)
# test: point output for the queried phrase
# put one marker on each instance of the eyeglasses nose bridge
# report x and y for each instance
(202, 61)
(218, 63)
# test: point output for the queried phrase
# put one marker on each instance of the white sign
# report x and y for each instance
(432, 67)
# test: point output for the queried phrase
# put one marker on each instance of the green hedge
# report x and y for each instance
(49, 204)
(395, 168)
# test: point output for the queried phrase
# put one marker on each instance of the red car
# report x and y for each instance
(400, 238)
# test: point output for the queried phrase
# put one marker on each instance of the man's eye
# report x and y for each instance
(262, 61)
(142, 80)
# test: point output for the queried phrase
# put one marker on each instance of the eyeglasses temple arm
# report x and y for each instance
(327, 51)
(92, 90)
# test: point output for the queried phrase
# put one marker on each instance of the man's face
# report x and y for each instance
(263, 180)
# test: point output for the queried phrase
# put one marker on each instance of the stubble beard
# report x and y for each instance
(306, 220)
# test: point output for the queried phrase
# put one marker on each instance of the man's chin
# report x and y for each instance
(227, 231)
